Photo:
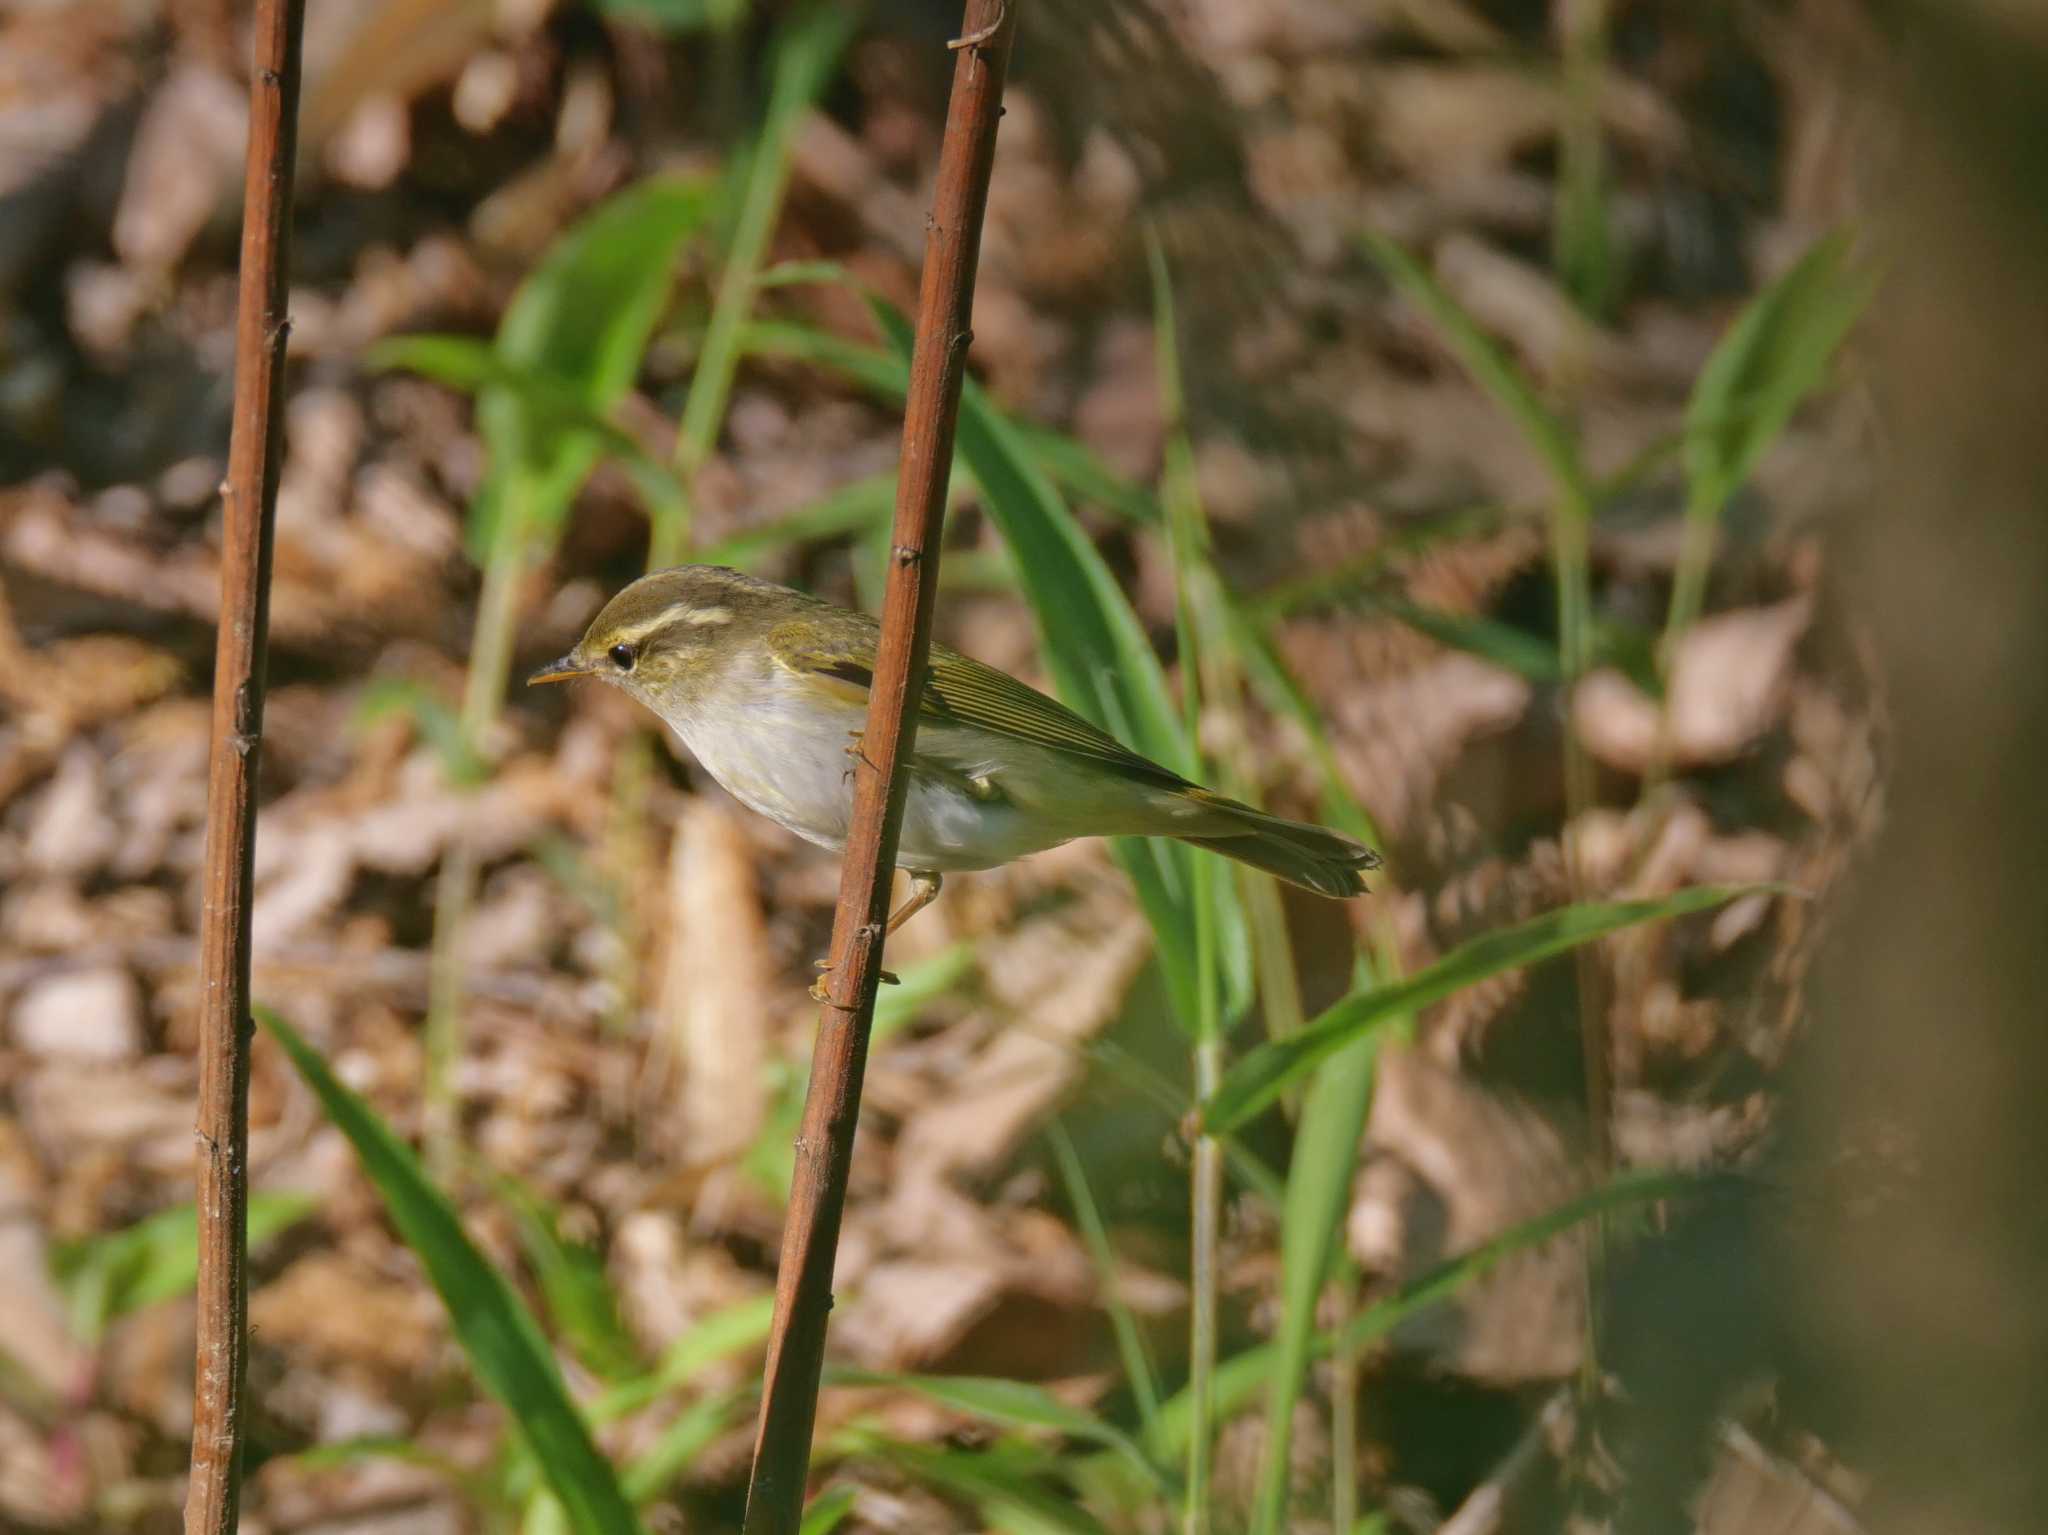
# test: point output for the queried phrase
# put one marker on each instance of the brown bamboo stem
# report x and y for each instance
(249, 504)
(824, 1144)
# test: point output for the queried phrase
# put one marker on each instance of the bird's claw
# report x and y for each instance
(856, 748)
(819, 990)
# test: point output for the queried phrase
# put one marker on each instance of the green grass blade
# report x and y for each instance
(867, 367)
(1515, 650)
(1130, 1343)
(1570, 518)
(693, 1431)
(856, 508)
(473, 365)
(827, 1511)
(580, 322)
(918, 987)
(730, 1330)
(1283, 695)
(1583, 247)
(1012, 1404)
(1104, 667)
(1775, 355)
(1626, 1191)
(801, 274)
(1171, 1099)
(1263, 1074)
(433, 719)
(1078, 469)
(111, 1274)
(1319, 1179)
(498, 1335)
(1009, 1492)
(572, 1280)
(1067, 463)
(1491, 368)
(807, 49)
(477, 1491)
(1242, 1377)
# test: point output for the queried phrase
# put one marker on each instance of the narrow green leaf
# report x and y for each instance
(1130, 1343)
(792, 274)
(1283, 695)
(581, 322)
(730, 1330)
(1515, 650)
(806, 49)
(1263, 1074)
(336, 1453)
(676, 18)
(573, 1281)
(1010, 1494)
(828, 1510)
(1078, 469)
(688, 1436)
(431, 716)
(1490, 367)
(1069, 464)
(919, 986)
(866, 367)
(1774, 356)
(1333, 1114)
(1013, 1403)
(111, 1274)
(471, 365)
(1104, 667)
(497, 1333)
(1240, 1378)
(1583, 244)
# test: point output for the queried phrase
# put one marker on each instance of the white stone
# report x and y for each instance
(91, 1014)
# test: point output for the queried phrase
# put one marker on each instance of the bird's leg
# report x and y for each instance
(924, 889)
(857, 749)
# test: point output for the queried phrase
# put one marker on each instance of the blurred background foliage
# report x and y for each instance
(1444, 418)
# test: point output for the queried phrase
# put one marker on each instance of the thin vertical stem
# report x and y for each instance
(824, 1144)
(1344, 1378)
(1130, 1344)
(249, 506)
(1206, 1240)
(1583, 242)
(483, 702)
(1571, 525)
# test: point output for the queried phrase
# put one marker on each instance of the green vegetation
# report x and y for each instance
(571, 344)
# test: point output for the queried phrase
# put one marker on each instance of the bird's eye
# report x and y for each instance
(622, 657)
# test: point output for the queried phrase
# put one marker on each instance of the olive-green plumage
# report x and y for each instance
(768, 688)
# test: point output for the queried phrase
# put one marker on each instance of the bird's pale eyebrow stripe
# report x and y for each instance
(675, 613)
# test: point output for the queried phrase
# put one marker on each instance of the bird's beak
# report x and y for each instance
(560, 670)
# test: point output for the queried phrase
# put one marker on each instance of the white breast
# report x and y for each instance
(787, 758)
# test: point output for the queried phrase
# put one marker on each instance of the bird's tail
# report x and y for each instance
(1309, 856)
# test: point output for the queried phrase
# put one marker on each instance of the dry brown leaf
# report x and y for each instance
(716, 983)
(1454, 1166)
(188, 153)
(1729, 684)
(1061, 998)
(907, 1313)
(336, 1309)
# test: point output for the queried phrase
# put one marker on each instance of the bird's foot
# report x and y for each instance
(819, 991)
(856, 748)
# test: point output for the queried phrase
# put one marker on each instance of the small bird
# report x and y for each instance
(768, 688)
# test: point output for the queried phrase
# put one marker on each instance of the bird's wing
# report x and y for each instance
(962, 691)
